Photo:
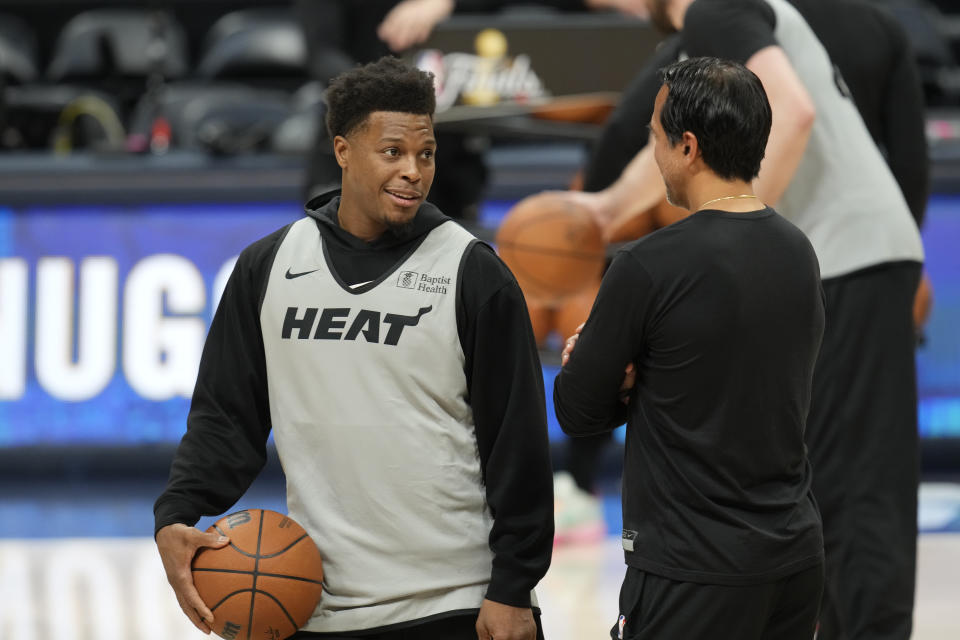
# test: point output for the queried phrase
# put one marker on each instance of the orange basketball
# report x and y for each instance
(266, 583)
(552, 244)
(922, 302)
(574, 311)
(541, 319)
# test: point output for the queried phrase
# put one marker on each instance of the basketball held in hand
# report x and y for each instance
(266, 583)
(552, 245)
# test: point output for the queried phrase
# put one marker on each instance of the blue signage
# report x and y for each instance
(104, 310)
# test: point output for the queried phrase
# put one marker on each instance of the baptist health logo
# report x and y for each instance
(423, 282)
(408, 279)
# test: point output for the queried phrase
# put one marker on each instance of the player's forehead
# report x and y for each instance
(400, 126)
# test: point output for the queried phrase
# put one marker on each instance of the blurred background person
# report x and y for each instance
(343, 33)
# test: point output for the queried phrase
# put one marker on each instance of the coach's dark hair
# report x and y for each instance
(385, 85)
(724, 105)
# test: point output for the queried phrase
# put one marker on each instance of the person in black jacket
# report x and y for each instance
(391, 355)
(704, 337)
(872, 53)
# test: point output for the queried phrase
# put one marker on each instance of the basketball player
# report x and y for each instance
(391, 354)
(704, 335)
(872, 53)
(826, 175)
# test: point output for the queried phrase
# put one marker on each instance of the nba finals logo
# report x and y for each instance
(408, 279)
(484, 78)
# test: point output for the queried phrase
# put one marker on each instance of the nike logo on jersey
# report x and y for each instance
(291, 276)
(331, 323)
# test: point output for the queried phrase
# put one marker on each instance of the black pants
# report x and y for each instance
(656, 608)
(863, 446)
(452, 628)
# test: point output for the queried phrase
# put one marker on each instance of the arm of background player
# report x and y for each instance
(640, 187)
(491, 6)
(904, 134)
(505, 383)
(411, 22)
(793, 116)
(224, 447)
(586, 393)
(636, 192)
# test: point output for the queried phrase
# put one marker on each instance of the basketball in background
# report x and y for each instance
(661, 215)
(552, 245)
(266, 583)
(542, 319)
(575, 310)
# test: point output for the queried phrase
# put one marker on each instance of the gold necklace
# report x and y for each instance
(740, 197)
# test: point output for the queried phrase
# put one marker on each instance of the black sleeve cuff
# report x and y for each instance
(167, 512)
(510, 588)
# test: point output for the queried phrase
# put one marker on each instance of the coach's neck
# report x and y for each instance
(707, 190)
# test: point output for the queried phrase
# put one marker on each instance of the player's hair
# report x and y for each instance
(724, 105)
(388, 84)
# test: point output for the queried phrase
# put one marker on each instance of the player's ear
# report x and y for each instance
(341, 151)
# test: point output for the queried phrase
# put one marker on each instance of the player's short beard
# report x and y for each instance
(660, 17)
(400, 229)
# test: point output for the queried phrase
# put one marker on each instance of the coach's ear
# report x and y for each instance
(691, 148)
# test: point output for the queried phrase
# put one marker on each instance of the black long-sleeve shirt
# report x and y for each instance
(722, 315)
(229, 421)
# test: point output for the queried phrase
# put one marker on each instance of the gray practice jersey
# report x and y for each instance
(368, 400)
(843, 195)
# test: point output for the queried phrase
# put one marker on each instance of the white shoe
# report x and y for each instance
(578, 515)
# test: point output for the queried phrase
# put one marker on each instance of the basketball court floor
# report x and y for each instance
(78, 563)
(579, 593)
